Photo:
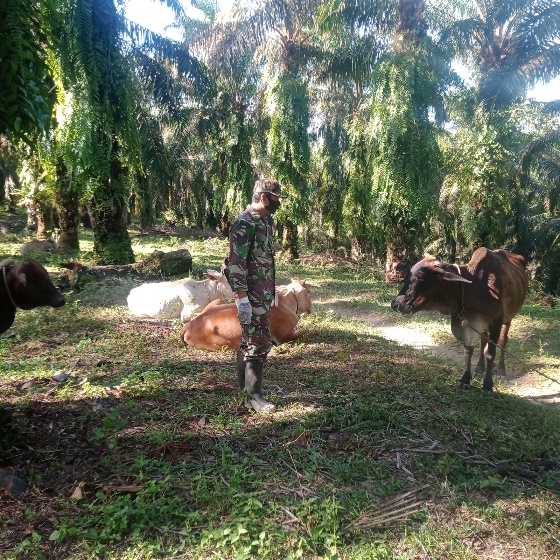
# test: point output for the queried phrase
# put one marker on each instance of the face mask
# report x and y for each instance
(273, 205)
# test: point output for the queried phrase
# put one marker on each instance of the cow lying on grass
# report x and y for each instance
(24, 285)
(181, 298)
(482, 298)
(218, 327)
(40, 246)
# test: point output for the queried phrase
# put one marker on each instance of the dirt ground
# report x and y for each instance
(531, 385)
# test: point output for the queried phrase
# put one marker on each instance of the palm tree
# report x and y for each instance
(509, 47)
(406, 163)
(95, 71)
(285, 40)
(509, 44)
(9, 179)
(349, 42)
(106, 149)
(171, 86)
(535, 228)
(290, 153)
(278, 33)
(331, 175)
(231, 117)
(27, 94)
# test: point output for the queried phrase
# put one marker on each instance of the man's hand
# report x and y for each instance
(244, 310)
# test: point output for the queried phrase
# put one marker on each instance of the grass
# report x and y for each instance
(147, 452)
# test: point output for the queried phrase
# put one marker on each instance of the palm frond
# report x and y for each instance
(26, 88)
(390, 511)
(165, 50)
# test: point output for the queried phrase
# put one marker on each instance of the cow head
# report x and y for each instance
(425, 287)
(222, 285)
(303, 296)
(51, 246)
(30, 286)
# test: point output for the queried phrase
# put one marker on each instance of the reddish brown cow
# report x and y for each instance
(482, 298)
(24, 285)
(218, 327)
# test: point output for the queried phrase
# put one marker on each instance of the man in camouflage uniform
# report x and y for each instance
(251, 275)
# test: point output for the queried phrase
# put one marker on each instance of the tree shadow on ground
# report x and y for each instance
(359, 420)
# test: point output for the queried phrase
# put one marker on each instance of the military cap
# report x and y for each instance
(268, 186)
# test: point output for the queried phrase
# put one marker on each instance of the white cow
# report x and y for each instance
(40, 246)
(181, 298)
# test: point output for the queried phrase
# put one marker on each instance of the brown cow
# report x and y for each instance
(24, 285)
(218, 327)
(482, 298)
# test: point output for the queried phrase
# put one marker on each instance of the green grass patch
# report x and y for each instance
(147, 451)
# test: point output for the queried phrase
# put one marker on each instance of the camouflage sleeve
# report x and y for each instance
(241, 236)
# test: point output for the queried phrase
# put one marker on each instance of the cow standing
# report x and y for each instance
(24, 285)
(482, 298)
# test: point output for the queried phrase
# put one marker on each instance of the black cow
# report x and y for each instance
(24, 285)
(482, 298)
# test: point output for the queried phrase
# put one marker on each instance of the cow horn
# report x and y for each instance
(450, 277)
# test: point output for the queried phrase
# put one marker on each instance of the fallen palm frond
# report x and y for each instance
(395, 509)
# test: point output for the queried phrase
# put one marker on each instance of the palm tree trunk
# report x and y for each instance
(69, 218)
(111, 242)
(68, 210)
(45, 218)
(290, 241)
(144, 201)
(3, 180)
(397, 265)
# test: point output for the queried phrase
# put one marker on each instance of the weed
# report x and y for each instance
(111, 424)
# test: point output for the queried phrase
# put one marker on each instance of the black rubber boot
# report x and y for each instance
(253, 384)
(241, 370)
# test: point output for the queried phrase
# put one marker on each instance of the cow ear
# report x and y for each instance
(210, 276)
(22, 277)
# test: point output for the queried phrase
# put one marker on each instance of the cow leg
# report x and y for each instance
(503, 341)
(480, 366)
(467, 376)
(490, 354)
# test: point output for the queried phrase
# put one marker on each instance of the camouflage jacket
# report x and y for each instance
(251, 255)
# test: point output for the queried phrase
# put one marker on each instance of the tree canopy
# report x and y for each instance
(353, 106)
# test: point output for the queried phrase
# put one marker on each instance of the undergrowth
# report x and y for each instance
(146, 451)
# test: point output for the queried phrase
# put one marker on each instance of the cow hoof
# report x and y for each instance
(488, 393)
(464, 386)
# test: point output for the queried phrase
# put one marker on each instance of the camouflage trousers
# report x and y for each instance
(256, 341)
